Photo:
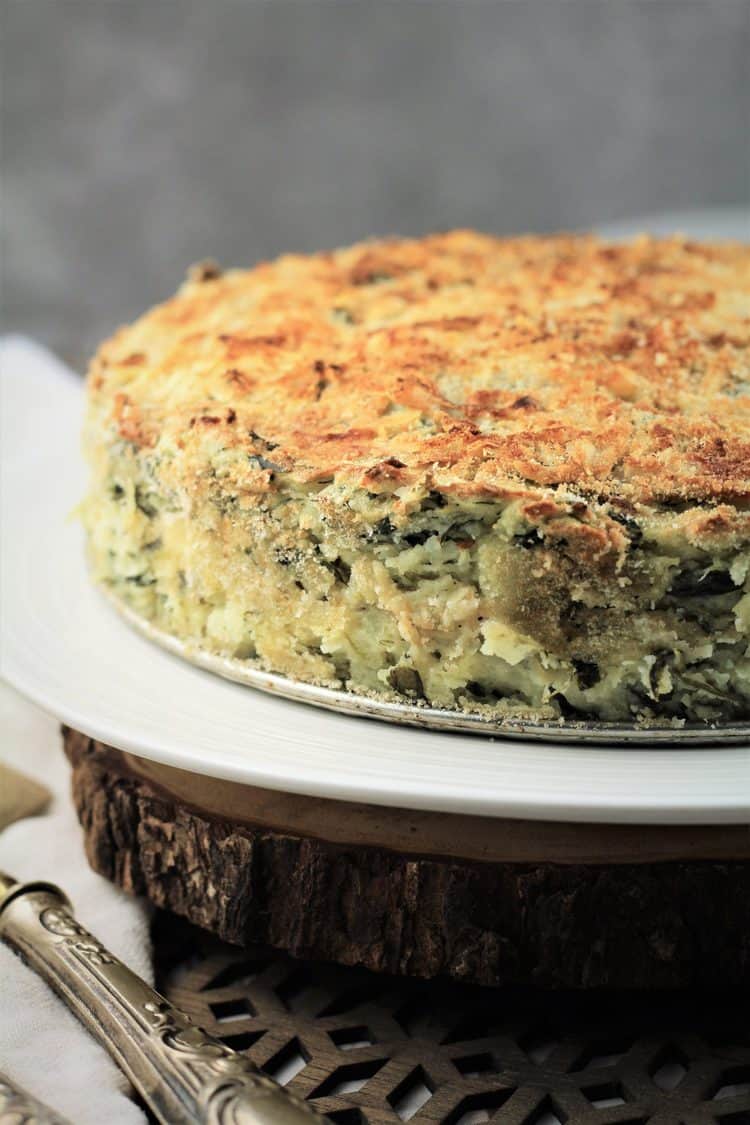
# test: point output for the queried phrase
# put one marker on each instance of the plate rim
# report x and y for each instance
(590, 808)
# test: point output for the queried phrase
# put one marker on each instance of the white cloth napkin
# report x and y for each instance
(43, 1048)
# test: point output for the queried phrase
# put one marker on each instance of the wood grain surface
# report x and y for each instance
(556, 912)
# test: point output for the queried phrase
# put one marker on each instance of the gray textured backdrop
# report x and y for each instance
(140, 136)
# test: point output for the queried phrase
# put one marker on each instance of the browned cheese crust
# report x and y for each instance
(372, 439)
(477, 363)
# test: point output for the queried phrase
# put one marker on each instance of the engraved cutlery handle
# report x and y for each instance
(183, 1074)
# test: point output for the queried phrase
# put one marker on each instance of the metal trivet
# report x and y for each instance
(371, 1050)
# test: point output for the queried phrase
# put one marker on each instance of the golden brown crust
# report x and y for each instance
(461, 362)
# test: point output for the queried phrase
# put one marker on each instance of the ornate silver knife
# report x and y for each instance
(183, 1074)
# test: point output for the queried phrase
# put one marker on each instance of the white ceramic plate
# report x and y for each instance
(64, 647)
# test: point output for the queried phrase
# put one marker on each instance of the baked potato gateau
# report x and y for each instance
(505, 476)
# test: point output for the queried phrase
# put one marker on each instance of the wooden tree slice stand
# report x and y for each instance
(421, 894)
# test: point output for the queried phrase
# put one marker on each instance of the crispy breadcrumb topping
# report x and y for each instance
(459, 362)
